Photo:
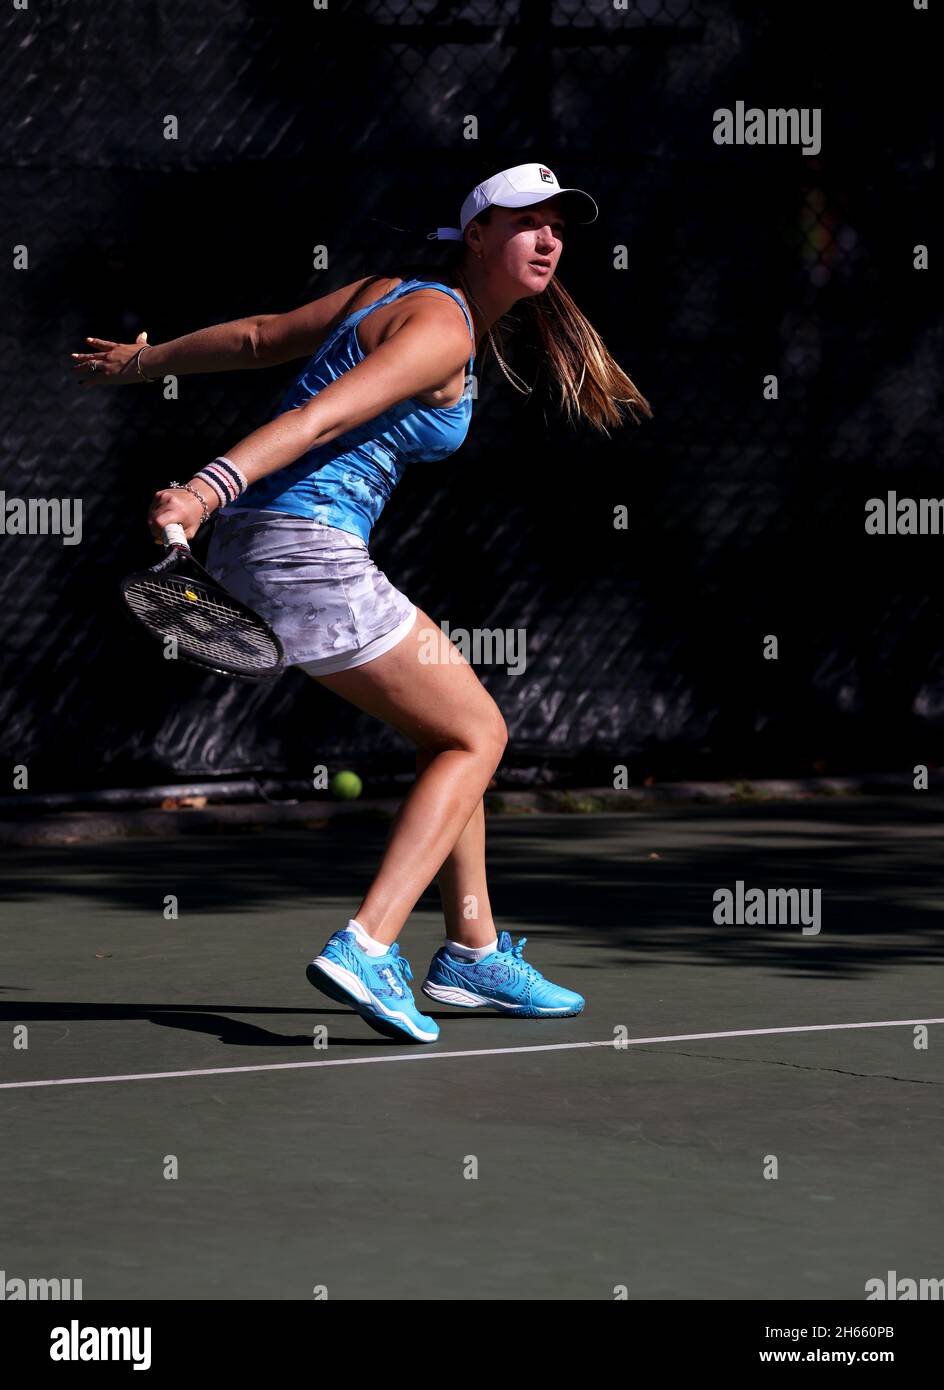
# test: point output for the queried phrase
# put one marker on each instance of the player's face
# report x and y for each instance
(527, 244)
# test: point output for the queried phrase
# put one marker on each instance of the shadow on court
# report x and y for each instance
(539, 1162)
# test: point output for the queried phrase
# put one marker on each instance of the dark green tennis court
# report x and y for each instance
(512, 1159)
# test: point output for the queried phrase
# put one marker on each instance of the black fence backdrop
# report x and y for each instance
(301, 127)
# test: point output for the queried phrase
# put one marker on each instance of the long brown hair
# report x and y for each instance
(591, 385)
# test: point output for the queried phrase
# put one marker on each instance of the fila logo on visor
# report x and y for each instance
(546, 175)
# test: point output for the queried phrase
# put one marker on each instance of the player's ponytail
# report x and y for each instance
(590, 383)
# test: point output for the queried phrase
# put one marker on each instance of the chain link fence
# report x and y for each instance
(167, 166)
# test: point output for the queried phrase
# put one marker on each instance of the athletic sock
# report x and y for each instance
(366, 943)
(471, 952)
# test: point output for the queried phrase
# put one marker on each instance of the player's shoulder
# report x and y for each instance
(431, 320)
(435, 303)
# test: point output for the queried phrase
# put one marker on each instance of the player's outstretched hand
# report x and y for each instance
(108, 363)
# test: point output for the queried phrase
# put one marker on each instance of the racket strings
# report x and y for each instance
(204, 624)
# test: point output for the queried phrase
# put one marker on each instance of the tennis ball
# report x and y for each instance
(345, 785)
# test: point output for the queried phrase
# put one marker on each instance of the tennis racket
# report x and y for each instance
(177, 599)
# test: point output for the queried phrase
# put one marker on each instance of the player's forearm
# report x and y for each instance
(223, 347)
(273, 446)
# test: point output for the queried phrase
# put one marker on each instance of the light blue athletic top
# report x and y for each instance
(347, 482)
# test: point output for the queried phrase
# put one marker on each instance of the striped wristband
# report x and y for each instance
(224, 478)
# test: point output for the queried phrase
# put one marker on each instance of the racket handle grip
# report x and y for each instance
(174, 534)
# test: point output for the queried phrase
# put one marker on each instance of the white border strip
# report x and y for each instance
(428, 1056)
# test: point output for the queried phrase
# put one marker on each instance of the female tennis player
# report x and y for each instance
(389, 383)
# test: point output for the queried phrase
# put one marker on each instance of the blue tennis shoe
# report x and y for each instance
(375, 986)
(502, 980)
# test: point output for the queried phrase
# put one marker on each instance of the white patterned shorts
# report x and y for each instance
(326, 600)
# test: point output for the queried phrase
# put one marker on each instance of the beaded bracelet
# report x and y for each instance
(185, 487)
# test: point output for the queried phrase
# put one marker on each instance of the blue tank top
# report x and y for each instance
(347, 482)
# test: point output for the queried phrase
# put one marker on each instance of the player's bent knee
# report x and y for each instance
(485, 735)
(494, 738)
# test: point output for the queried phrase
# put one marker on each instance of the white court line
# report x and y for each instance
(426, 1056)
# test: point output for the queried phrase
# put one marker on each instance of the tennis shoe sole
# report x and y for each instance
(465, 999)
